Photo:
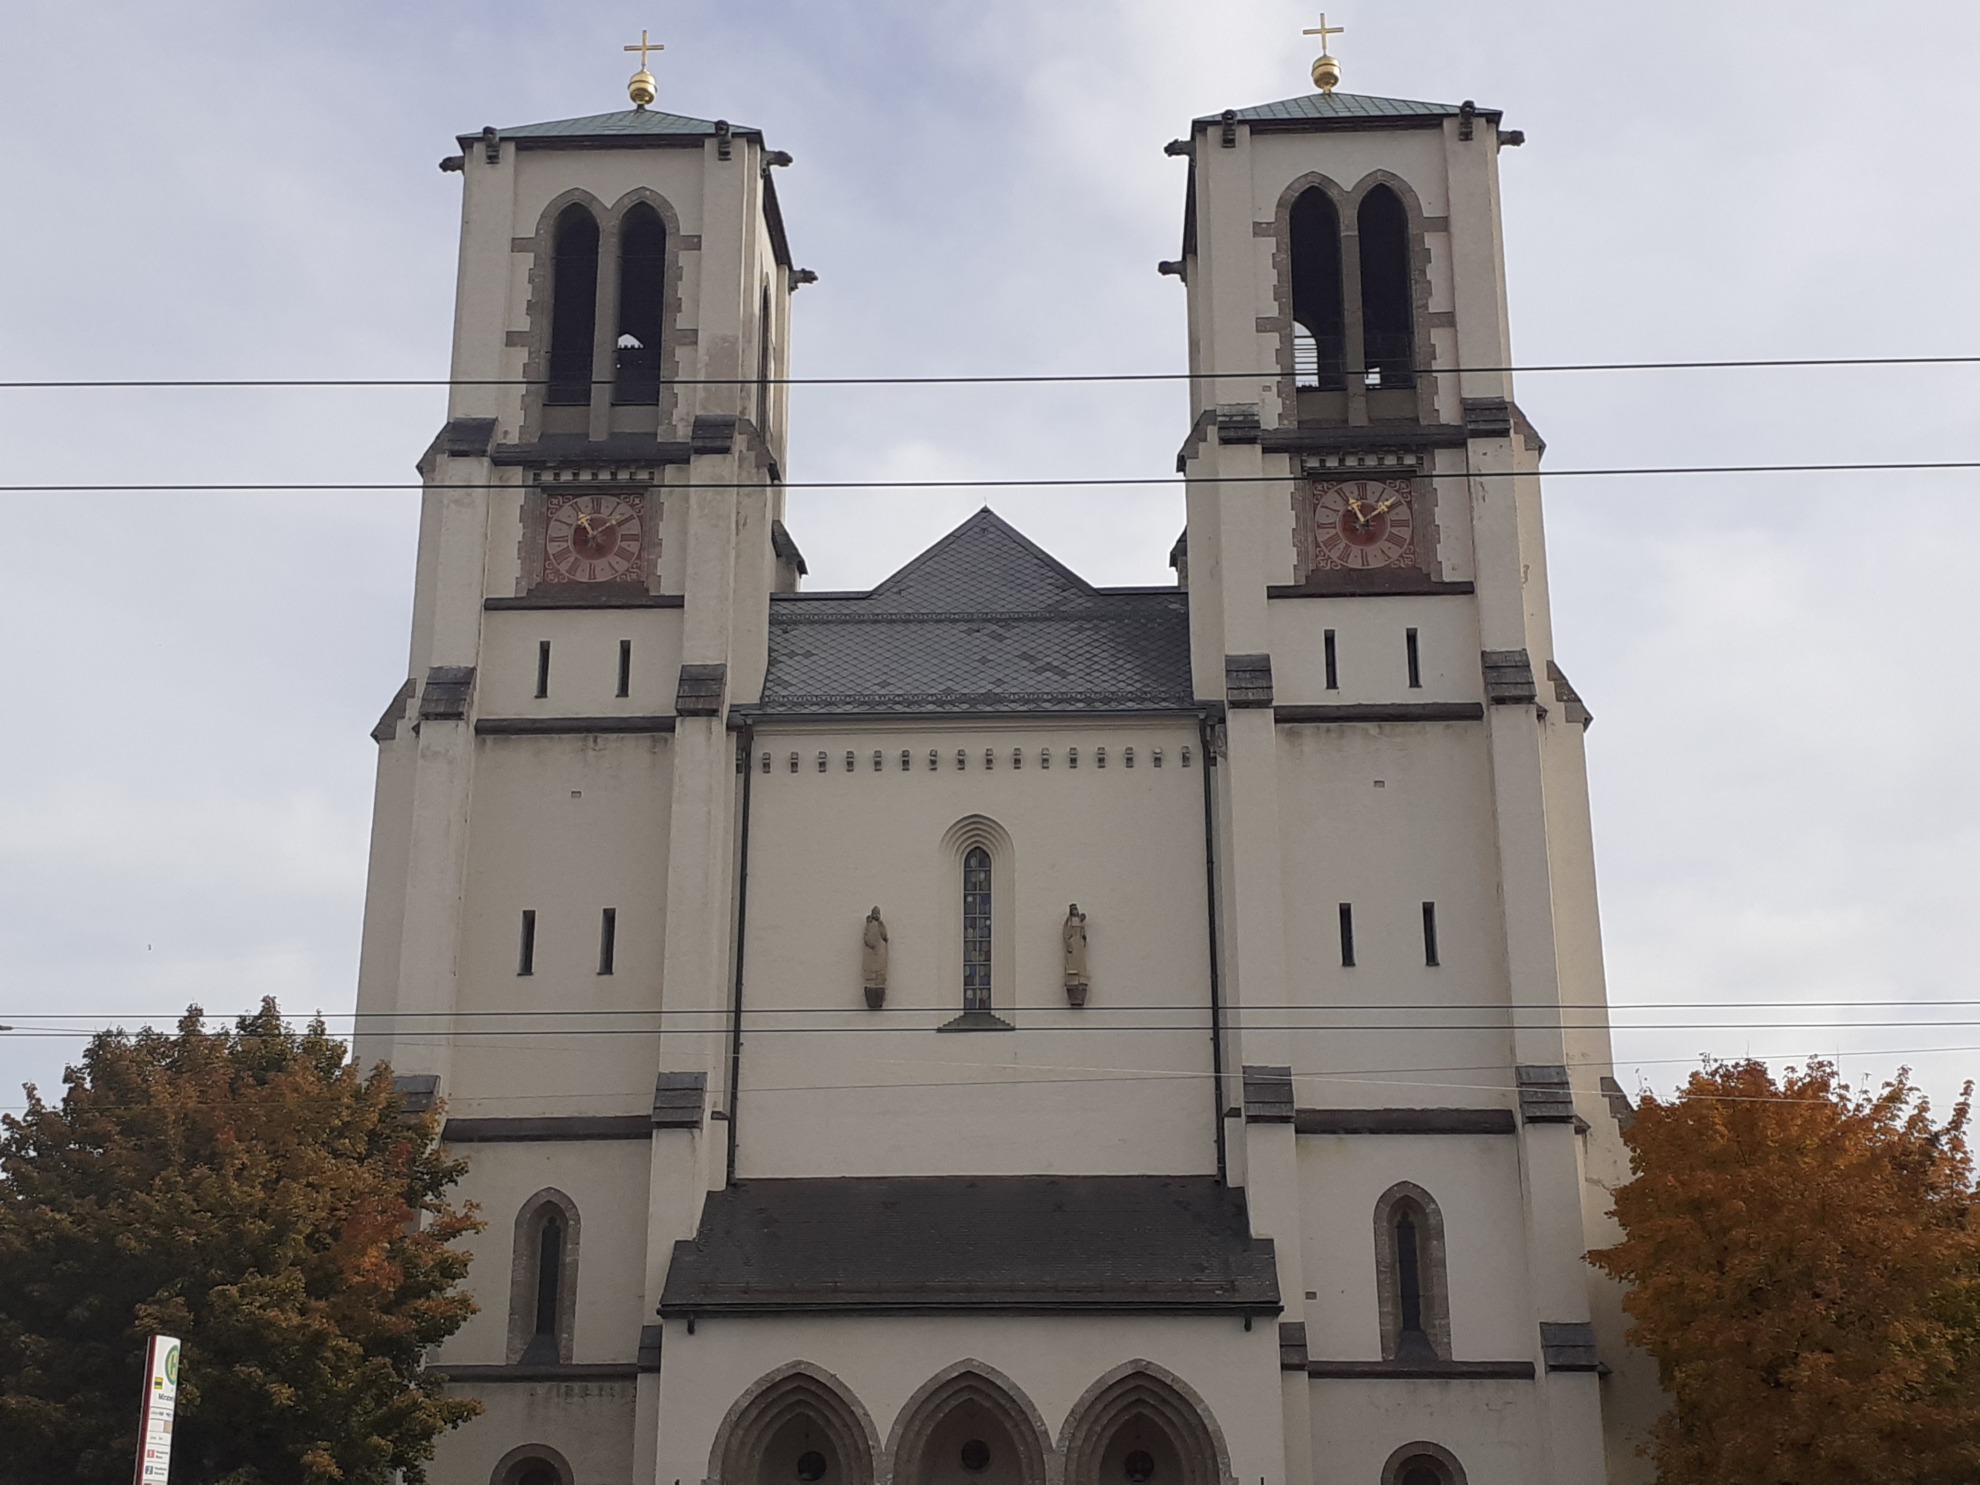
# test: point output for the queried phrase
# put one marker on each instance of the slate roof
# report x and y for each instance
(1343, 107)
(877, 1243)
(983, 621)
(626, 123)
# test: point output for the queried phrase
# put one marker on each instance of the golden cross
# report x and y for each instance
(646, 46)
(1323, 31)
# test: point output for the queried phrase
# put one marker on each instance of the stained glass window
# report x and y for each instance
(976, 930)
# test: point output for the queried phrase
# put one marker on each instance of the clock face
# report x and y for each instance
(592, 539)
(1363, 523)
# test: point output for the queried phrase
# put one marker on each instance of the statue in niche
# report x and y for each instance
(1073, 936)
(873, 960)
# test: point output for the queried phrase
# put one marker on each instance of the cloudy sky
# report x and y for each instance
(1782, 666)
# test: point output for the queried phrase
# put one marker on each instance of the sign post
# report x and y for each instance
(161, 1399)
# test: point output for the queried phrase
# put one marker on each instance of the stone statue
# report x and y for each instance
(873, 959)
(1073, 935)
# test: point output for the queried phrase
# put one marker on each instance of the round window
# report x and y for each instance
(811, 1467)
(1139, 1466)
(976, 1456)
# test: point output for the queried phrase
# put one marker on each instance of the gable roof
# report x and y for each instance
(932, 1243)
(983, 621)
(1343, 110)
(626, 125)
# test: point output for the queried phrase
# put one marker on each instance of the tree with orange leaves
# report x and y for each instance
(254, 1194)
(1805, 1269)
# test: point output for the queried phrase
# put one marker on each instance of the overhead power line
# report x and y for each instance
(1379, 1077)
(1121, 481)
(1757, 363)
(576, 1012)
(1196, 1025)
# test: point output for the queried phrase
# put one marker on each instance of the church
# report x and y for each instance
(992, 1029)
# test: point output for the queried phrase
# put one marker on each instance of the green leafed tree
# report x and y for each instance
(1804, 1263)
(250, 1191)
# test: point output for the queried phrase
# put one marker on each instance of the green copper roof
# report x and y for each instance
(629, 123)
(1325, 107)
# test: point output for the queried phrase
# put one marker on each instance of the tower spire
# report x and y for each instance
(1326, 71)
(640, 85)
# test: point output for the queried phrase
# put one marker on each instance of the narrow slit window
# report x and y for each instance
(549, 1277)
(573, 307)
(1333, 661)
(625, 667)
(1347, 935)
(543, 668)
(1415, 660)
(1430, 934)
(976, 930)
(526, 954)
(642, 299)
(1409, 1276)
(763, 365)
(608, 939)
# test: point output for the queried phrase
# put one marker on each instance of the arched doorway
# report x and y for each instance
(532, 1464)
(797, 1426)
(1143, 1425)
(969, 1424)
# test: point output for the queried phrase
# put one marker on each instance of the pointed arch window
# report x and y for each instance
(976, 925)
(1388, 316)
(1319, 318)
(763, 364)
(543, 1281)
(573, 307)
(642, 307)
(1410, 1275)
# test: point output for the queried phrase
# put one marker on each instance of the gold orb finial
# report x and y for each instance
(1326, 71)
(640, 87)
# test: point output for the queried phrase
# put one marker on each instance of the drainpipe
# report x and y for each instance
(745, 746)
(1206, 724)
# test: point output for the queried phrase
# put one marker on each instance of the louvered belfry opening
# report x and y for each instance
(573, 307)
(1319, 318)
(642, 305)
(1388, 320)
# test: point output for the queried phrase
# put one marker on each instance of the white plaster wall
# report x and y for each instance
(882, 1361)
(1491, 1426)
(584, 662)
(589, 1422)
(1371, 652)
(1125, 844)
(1475, 1182)
(607, 1180)
(566, 826)
(1348, 156)
(385, 895)
(1425, 835)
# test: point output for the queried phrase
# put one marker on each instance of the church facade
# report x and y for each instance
(991, 1028)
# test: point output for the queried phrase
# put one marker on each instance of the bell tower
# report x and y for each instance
(1401, 752)
(601, 531)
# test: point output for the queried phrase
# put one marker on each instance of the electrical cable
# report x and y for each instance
(436, 1036)
(1370, 1077)
(664, 487)
(791, 1010)
(1769, 363)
